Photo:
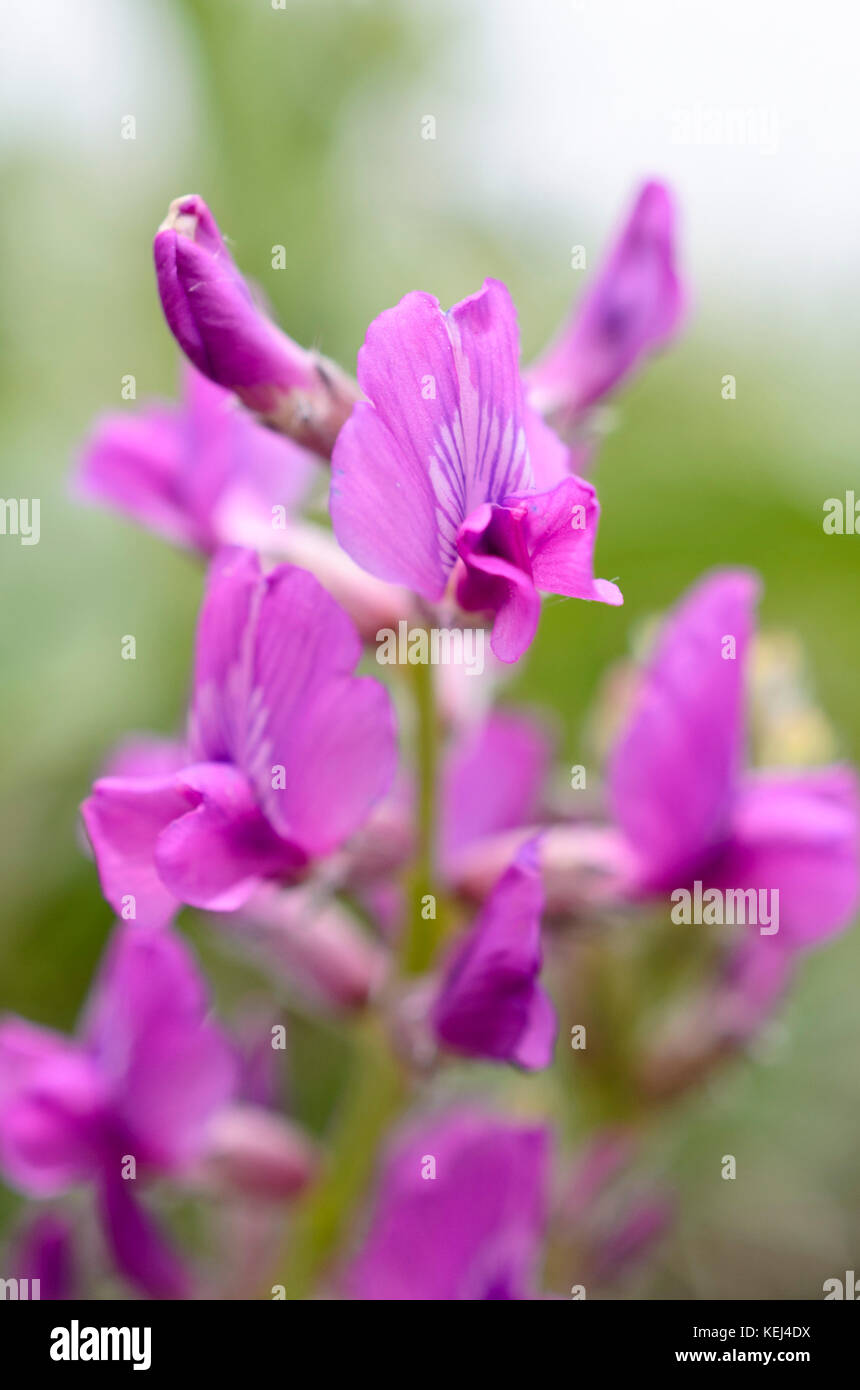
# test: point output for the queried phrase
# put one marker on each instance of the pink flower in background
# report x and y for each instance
(490, 1003)
(144, 1080)
(287, 753)
(445, 474)
(633, 307)
(681, 797)
(205, 474)
(491, 782)
(460, 1213)
(201, 474)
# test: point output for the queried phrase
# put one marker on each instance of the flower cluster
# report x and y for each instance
(391, 853)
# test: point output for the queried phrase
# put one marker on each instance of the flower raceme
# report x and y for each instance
(445, 476)
(225, 334)
(287, 752)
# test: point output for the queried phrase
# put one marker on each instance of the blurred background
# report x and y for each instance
(302, 127)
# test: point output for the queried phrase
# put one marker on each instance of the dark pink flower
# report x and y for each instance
(203, 474)
(287, 752)
(684, 802)
(143, 1082)
(446, 476)
(461, 1211)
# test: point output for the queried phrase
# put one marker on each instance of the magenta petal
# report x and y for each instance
(559, 530)
(141, 1253)
(490, 1003)
(211, 313)
(168, 1067)
(222, 664)
(134, 463)
(491, 781)
(52, 1109)
(674, 772)
(472, 1229)
(124, 817)
(632, 308)
(43, 1252)
(443, 433)
(275, 694)
(217, 854)
(146, 755)
(495, 577)
(331, 732)
(798, 833)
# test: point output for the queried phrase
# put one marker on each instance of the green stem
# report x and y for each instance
(375, 1093)
(378, 1088)
(423, 934)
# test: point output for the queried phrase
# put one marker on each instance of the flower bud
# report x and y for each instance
(318, 947)
(212, 314)
(258, 1153)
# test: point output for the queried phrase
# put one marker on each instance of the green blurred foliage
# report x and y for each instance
(304, 130)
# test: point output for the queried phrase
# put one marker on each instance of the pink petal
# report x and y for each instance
(673, 774)
(443, 433)
(799, 834)
(632, 308)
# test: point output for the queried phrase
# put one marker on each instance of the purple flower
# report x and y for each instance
(633, 308)
(287, 752)
(201, 474)
(228, 338)
(460, 1213)
(491, 1003)
(683, 801)
(142, 1082)
(445, 474)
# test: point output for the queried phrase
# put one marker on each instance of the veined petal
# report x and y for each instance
(275, 693)
(443, 433)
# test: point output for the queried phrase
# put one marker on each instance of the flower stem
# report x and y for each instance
(425, 925)
(375, 1093)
